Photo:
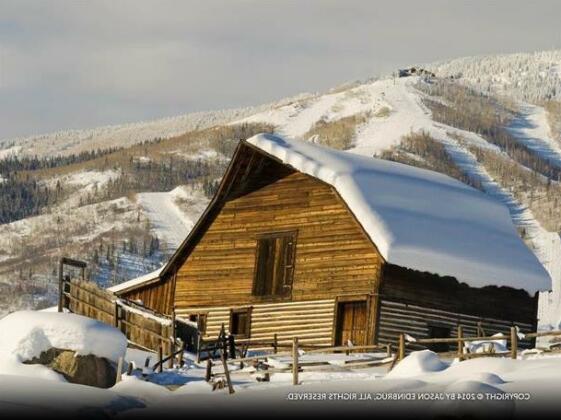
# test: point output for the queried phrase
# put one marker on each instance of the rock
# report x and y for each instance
(85, 370)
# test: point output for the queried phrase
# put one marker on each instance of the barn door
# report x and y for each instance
(351, 323)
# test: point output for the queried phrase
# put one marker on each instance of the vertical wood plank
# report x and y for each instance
(513, 343)
(295, 361)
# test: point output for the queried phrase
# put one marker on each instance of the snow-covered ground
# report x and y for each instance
(422, 382)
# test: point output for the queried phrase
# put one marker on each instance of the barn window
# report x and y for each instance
(274, 264)
(240, 320)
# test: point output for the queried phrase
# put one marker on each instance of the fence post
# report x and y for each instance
(295, 361)
(513, 343)
(181, 354)
(116, 315)
(389, 350)
(160, 359)
(199, 344)
(208, 372)
(275, 344)
(60, 286)
(171, 353)
(401, 346)
(119, 370)
(231, 346)
(227, 373)
(460, 343)
(130, 369)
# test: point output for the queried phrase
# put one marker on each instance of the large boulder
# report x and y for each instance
(85, 370)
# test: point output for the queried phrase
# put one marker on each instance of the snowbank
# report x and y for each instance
(421, 219)
(26, 334)
(417, 363)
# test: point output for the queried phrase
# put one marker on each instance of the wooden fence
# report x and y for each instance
(142, 327)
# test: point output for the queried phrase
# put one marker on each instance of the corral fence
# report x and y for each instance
(144, 328)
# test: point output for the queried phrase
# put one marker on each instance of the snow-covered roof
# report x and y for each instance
(154, 275)
(418, 218)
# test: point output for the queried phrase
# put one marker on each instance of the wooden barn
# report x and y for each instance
(328, 246)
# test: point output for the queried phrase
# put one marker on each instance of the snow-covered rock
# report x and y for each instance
(26, 334)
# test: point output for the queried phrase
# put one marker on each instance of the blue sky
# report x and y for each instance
(78, 64)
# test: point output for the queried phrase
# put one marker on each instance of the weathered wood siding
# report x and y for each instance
(411, 301)
(333, 255)
(415, 320)
(157, 296)
(446, 293)
(311, 321)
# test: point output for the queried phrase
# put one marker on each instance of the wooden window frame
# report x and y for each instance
(273, 235)
(201, 325)
(248, 310)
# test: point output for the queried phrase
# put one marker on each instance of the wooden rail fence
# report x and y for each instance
(142, 327)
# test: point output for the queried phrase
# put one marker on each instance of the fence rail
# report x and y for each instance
(142, 327)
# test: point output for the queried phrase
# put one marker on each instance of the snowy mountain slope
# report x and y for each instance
(75, 141)
(172, 214)
(530, 77)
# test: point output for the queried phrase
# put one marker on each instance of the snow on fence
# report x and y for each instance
(142, 327)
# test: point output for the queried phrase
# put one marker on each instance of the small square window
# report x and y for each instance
(240, 320)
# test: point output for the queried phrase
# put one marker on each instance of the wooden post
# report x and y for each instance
(119, 370)
(295, 361)
(130, 368)
(460, 343)
(116, 322)
(401, 351)
(227, 374)
(173, 340)
(199, 344)
(160, 358)
(60, 286)
(275, 344)
(171, 353)
(208, 373)
(513, 343)
(231, 346)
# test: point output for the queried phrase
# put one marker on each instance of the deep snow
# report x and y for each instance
(421, 219)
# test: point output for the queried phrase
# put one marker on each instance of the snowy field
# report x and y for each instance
(485, 386)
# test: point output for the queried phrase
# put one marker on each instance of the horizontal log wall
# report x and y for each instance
(311, 321)
(448, 294)
(396, 318)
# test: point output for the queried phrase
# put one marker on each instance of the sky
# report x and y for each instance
(79, 64)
